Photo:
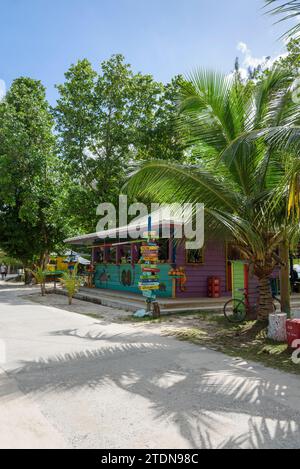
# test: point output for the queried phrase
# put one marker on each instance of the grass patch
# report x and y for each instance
(202, 315)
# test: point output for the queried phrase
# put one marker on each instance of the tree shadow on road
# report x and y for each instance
(232, 405)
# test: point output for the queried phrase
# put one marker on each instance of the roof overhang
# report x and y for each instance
(159, 220)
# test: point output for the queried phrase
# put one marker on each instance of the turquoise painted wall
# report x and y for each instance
(125, 277)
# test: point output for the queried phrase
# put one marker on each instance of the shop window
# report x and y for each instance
(111, 255)
(125, 254)
(195, 256)
(164, 250)
(99, 255)
(233, 253)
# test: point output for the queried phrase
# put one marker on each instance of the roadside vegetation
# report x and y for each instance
(247, 341)
(71, 281)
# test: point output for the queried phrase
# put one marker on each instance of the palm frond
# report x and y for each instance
(167, 183)
(289, 10)
(206, 108)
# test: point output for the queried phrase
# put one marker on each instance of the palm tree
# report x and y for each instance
(228, 125)
(289, 11)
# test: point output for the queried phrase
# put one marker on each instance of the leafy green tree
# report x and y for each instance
(292, 60)
(154, 113)
(105, 121)
(10, 261)
(237, 172)
(30, 222)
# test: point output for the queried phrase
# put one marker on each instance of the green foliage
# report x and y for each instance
(30, 225)
(9, 260)
(104, 122)
(292, 60)
(40, 276)
(71, 282)
(56, 167)
(229, 128)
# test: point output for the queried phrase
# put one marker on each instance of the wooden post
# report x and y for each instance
(277, 327)
(174, 284)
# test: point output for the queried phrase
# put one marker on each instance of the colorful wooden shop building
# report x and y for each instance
(182, 273)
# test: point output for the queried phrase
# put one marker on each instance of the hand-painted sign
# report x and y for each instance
(149, 280)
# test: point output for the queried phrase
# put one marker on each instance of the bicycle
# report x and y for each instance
(237, 310)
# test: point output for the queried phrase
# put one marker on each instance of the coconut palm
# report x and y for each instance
(289, 10)
(227, 125)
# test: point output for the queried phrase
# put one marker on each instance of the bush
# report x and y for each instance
(71, 282)
(40, 277)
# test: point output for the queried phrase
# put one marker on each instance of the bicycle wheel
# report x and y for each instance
(235, 311)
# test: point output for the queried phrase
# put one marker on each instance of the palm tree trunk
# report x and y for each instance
(285, 278)
(265, 299)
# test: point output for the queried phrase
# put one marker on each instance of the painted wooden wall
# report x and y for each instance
(253, 291)
(113, 277)
(197, 275)
(239, 281)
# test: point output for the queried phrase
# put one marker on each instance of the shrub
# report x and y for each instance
(71, 282)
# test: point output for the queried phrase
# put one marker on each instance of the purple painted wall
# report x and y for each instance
(197, 275)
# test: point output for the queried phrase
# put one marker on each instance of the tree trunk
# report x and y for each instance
(27, 277)
(70, 299)
(44, 260)
(265, 299)
(285, 279)
(43, 288)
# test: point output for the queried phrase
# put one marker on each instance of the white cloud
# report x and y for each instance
(242, 47)
(249, 61)
(2, 89)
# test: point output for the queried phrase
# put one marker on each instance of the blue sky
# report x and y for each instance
(41, 38)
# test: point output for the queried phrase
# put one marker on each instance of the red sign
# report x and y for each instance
(151, 270)
(293, 331)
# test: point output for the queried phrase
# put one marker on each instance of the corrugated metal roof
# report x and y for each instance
(160, 218)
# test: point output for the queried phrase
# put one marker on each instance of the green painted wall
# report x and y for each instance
(238, 279)
(125, 277)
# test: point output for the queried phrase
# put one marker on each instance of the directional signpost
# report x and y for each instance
(149, 280)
